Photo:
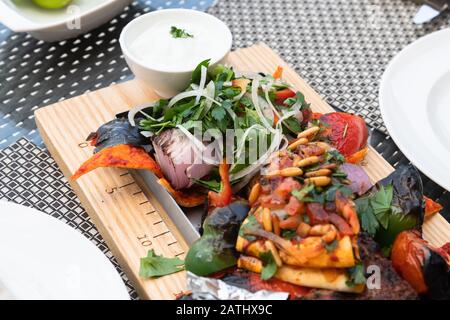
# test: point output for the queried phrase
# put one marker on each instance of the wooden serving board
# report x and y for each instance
(127, 215)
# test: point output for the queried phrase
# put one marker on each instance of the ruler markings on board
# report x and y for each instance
(158, 232)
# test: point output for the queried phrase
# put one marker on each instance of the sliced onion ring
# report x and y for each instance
(201, 87)
(198, 145)
(255, 100)
(134, 111)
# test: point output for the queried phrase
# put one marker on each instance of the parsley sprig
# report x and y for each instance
(375, 209)
(154, 265)
(179, 33)
(269, 265)
(356, 275)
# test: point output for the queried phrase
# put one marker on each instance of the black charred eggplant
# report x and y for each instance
(425, 268)
(117, 131)
(408, 191)
(393, 205)
(215, 250)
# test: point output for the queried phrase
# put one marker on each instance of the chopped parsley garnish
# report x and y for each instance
(330, 247)
(179, 33)
(330, 194)
(300, 194)
(335, 156)
(339, 174)
(246, 228)
(154, 265)
(269, 265)
(356, 275)
(288, 234)
(374, 210)
(381, 205)
(218, 113)
(212, 185)
(369, 222)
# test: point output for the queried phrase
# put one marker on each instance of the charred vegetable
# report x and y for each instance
(114, 132)
(119, 156)
(187, 198)
(393, 205)
(426, 268)
(119, 145)
(214, 251)
(180, 160)
(223, 198)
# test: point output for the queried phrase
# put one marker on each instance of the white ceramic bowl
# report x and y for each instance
(79, 17)
(167, 82)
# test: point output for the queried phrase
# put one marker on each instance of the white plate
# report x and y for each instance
(43, 258)
(79, 17)
(415, 104)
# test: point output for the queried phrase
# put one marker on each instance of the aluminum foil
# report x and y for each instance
(214, 289)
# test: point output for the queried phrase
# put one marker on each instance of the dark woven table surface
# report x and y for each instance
(341, 47)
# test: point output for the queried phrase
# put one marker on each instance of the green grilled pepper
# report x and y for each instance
(215, 250)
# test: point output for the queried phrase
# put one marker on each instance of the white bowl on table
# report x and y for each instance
(79, 17)
(164, 62)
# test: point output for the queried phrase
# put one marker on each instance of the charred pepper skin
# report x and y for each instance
(215, 250)
(407, 198)
(117, 131)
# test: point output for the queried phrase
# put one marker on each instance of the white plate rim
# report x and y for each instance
(390, 122)
(115, 282)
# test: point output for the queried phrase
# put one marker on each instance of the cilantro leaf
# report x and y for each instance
(218, 113)
(292, 124)
(154, 265)
(221, 70)
(288, 234)
(330, 247)
(246, 101)
(212, 185)
(315, 196)
(300, 194)
(369, 222)
(269, 265)
(335, 156)
(330, 194)
(356, 275)
(339, 174)
(381, 204)
(179, 33)
(178, 109)
(250, 225)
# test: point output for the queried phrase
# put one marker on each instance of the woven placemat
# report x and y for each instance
(341, 47)
(29, 176)
(34, 73)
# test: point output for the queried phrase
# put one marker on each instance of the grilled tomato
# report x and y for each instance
(348, 133)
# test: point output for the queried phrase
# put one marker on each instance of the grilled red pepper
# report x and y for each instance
(223, 198)
(282, 95)
(119, 156)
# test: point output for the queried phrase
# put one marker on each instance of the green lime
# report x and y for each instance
(52, 4)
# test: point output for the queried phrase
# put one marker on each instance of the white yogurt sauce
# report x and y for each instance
(158, 49)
